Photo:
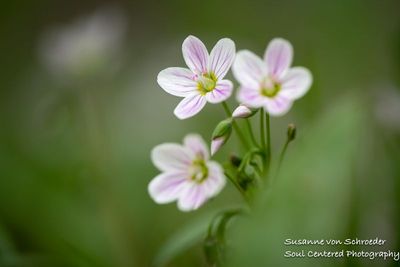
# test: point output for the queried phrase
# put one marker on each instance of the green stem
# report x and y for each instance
(235, 126)
(250, 130)
(268, 130)
(282, 155)
(262, 131)
(226, 215)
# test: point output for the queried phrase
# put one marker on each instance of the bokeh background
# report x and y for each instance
(81, 110)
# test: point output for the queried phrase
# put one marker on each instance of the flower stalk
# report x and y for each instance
(268, 143)
(291, 135)
(250, 130)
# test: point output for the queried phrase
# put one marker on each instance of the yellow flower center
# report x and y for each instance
(270, 88)
(198, 171)
(206, 83)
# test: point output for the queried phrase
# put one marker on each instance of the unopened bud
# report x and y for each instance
(235, 160)
(242, 111)
(291, 132)
(220, 135)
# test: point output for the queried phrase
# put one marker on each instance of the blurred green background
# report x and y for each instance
(81, 110)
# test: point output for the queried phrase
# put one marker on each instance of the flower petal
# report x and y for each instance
(190, 106)
(166, 187)
(279, 55)
(216, 179)
(216, 144)
(192, 197)
(222, 57)
(249, 69)
(171, 157)
(296, 82)
(195, 54)
(197, 145)
(177, 81)
(222, 91)
(250, 97)
(278, 105)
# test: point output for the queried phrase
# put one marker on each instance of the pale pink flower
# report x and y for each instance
(188, 175)
(242, 111)
(270, 83)
(203, 82)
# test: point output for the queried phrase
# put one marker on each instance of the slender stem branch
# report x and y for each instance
(235, 126)
(226, 217)
(262, 131)
(227, 109)
(250, 130)
(265, 134)
(224, 214)
(268, 137)
(282, 155)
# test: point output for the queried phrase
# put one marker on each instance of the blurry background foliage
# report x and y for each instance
(81, 110)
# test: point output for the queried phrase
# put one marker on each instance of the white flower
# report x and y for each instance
(204, 80)
(188, 176)
(270, 83)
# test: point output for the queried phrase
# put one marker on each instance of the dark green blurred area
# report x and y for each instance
(74, 147)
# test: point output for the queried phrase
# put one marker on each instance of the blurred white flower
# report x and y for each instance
(86, 45)
(387, 107)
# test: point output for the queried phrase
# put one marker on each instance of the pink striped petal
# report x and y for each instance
(278, 105)
(279, 55)
(171, 157)
(190, 106)
(167, 187)
(177, 81)
(195, 54)
(222, 57)
(222, 91)
(250, 97)
(197, 145)
(192, 197)
(296, 83)
(249, 69)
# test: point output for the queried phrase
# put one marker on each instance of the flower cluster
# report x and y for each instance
(268, 86)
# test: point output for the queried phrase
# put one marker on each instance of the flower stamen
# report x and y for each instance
(198, 171)
(206, 83)
(270, 88)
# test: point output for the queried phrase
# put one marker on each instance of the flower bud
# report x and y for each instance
(235, 160)
(291, 132)
(242, 111)
(220, 135)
